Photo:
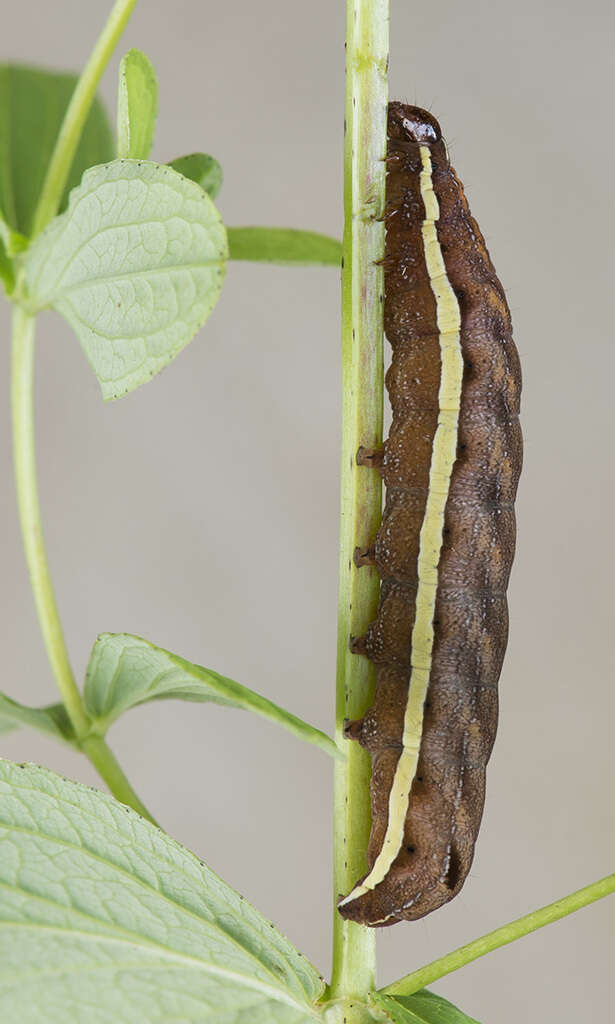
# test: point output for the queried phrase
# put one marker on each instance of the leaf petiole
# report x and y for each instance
(108, 767)
(284, 246)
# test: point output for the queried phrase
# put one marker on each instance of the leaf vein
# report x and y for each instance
(208, 925)
(183, 960)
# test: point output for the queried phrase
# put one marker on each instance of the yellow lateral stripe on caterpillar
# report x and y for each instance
(444, 451)
(444, 550)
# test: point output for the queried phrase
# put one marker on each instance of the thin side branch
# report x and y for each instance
(501, 937)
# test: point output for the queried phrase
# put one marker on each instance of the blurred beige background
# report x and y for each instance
(201, 511)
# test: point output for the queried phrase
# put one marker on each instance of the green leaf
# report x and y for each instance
(105, 918)
(14, 242)
(423, 1007)
(52, 719)
(125, 671)
(32, 107)
(137, 106)
(135, 265)
(7, 273)
(203, 169)
(285, 246)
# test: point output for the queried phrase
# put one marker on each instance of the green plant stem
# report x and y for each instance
(104, 760)
(76, 114)
(501, 937)
(24, 454)
(30, 516)
(354, 952)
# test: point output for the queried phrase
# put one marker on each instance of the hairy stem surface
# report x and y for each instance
(354, 957)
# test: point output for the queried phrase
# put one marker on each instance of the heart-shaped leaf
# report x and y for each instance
(135, 265)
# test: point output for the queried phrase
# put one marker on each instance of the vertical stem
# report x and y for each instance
(77, 112)
(24, 453)
(30, 516)
(354, 954)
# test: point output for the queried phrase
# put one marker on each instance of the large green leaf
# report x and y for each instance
(52, 719)
(286, 246)
(32, 107)
(423, 1007)
(125, 670)
(137, 106)
(105, 918)
(203, 169)
(135, 265)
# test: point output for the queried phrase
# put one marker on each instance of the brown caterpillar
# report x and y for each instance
(444, 550)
